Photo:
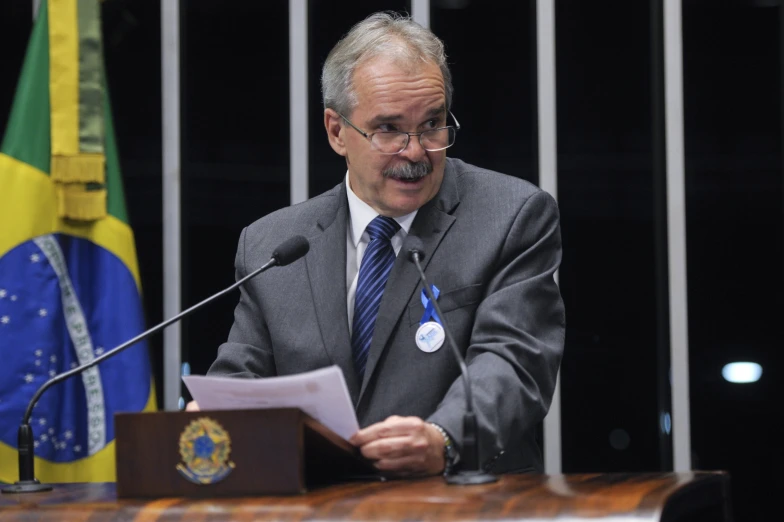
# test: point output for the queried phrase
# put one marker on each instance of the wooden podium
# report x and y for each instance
(616, 497)
(283, 465)
(230, 453)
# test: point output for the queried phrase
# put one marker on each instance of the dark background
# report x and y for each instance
(615, 384)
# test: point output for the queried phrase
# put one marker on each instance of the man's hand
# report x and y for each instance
(402, 445)
(192, 406)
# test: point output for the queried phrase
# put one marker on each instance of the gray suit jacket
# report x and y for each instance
(492, 244)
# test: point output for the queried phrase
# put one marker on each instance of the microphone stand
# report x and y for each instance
(470, 472)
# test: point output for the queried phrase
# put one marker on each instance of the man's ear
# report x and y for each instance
(334, 125)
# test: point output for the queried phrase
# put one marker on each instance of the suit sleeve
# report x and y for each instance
(248, 350)
(518, 336)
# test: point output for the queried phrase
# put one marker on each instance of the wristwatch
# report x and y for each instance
(450, 452)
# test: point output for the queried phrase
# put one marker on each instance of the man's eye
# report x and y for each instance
(386, 127)
(432, 124)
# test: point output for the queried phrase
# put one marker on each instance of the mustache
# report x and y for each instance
(409, 171)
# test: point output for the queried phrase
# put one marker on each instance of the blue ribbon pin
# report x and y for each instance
(429, 308)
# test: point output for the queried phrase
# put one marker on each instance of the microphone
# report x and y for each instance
(286, 253)
(470, 473)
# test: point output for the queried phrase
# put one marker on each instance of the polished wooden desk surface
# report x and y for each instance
(638, 497)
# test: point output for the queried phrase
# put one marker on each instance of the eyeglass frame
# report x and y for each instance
(369, 136)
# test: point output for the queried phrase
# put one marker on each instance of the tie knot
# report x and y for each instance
(382, 227)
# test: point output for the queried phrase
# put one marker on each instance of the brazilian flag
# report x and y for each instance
(69, 279)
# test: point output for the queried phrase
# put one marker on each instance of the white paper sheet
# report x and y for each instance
(322, 394)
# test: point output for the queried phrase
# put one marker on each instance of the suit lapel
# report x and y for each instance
(328, 284)
(431, 224)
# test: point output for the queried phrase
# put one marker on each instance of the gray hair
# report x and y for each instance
(385, 33)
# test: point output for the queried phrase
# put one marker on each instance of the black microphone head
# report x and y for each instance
(416, 248)
(291, 250)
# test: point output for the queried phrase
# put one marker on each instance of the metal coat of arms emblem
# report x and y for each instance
(205, 448)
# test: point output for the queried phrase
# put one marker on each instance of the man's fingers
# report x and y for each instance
(394, 447)
(411, 465)
(192, 406)
(391, 427)
(403, 446)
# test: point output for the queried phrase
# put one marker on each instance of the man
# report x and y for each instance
(491, 245)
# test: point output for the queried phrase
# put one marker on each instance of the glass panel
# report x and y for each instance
(132, 48)
(612, 372)
(733, 139)
(15, 26)
(494, 74)
(235, 149)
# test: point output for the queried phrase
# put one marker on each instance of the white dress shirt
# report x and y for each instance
(357, 240)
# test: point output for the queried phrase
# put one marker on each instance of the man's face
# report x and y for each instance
(392, 98)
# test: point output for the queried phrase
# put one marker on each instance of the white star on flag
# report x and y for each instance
(68, 434)
(44, 437)
(99, 350)
(42, 421)
(74, 365)
(38, 353)
(35, 443)
(42, 312)
(5, 319)
(35, 258)
(53, 358)
(2, 293)
(52, 373)
(13, 298)
(77, 448)
(38, 362)
(51, 431)
(29, 377)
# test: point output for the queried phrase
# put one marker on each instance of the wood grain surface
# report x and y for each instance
(639, 497)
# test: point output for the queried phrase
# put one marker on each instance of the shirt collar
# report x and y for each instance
(362, 214)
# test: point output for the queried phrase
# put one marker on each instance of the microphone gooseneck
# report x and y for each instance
(470, 472)
(286, 253)
(416, 257)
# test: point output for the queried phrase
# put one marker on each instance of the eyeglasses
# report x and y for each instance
(395, 142)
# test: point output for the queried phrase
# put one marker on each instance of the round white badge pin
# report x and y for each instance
(430, 336)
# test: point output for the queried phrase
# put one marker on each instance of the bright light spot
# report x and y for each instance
(740, 372)
(665, 422)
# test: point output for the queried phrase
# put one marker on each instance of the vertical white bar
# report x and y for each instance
(170, 107)
(420, 12)
(676, 234)
(36, 6)
(548, 181)
(298, 100)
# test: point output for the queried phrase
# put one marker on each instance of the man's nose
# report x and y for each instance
(414, 151)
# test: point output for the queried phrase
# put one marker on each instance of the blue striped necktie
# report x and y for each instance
(373, 274)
